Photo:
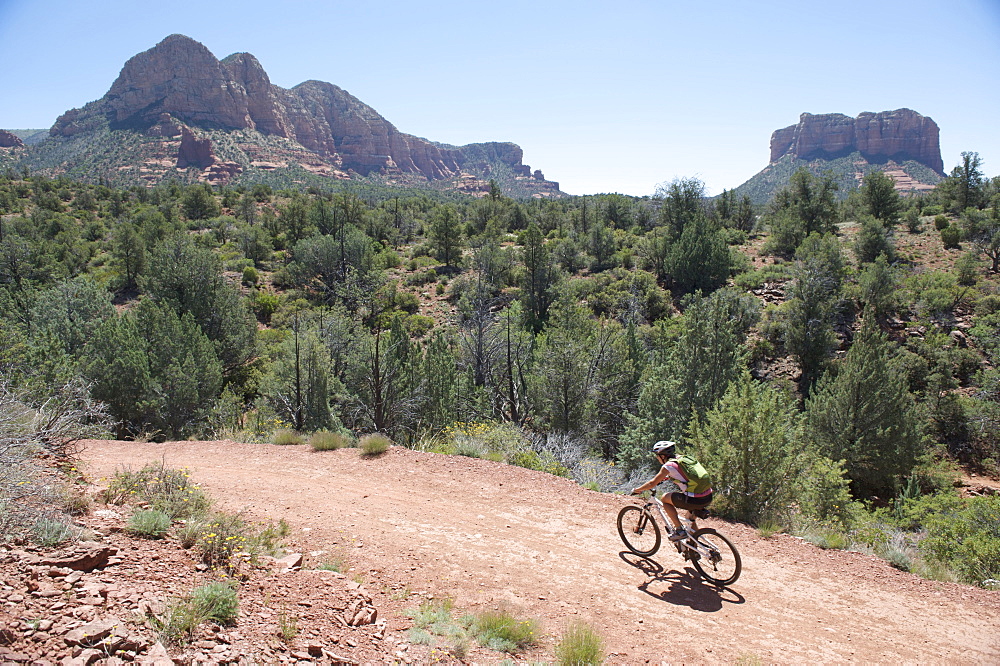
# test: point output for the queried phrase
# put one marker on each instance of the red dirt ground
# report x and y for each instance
(484, 534)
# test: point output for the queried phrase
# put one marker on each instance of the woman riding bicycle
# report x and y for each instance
(688, 475)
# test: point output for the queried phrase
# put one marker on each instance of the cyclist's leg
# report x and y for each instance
(682, 501)
(671, 510)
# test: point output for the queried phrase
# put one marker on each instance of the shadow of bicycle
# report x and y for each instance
(681, 588)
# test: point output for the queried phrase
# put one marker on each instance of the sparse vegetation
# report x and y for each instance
(285, 437)
(501, 630)
(374, 444)
(149, 523)
(580, 645)
(325, 440)
(217, 601)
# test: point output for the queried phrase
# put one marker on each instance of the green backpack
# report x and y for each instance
(697, 476)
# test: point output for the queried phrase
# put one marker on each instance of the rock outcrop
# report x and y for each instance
(898, 135)
(10, 140)
(180, 80)
(194, 151)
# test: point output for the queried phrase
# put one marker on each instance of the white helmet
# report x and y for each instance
(665, 448)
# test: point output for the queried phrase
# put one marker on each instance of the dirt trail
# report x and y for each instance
(484, 533)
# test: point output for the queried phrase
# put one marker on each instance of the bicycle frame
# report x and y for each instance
(690, 524)
(687, 523)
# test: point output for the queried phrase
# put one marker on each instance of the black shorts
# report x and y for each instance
(682, 501)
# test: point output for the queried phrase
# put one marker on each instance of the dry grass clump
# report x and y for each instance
(579, 645)
(324, 440)
(286, 437)
(374, 444)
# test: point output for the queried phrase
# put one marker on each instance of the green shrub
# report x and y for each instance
(287, 437)
(967, 269)
(580, 645)
(168, 490)
(940, 222)
(337, 564)
(541, 462)
(967, 539)
(500, 630)
(418, 325)
(758, 278)
(407, 302)
(420, 278)
(50, 532)
(434, 618)
(374, 444)
(288, 626)
(177, 623)
(950, 236)
(149, 523)
(265, 304)
(324, 440)
(988, 304)
(217, 601)
(827, 538)
(250, 276)
(225, 540)
(469, 448)
(189, 532)
(388, 258)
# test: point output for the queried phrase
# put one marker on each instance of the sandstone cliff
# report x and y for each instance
(898, 135)
(182, 78)
(10, 140)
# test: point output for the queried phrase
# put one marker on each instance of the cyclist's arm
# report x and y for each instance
(652, 483)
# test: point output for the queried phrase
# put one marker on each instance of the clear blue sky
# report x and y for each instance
(602, 96)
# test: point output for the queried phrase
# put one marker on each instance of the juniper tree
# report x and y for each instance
(538, 288)
(187, 373)
(880, 198)
(117, 364)
(446, 235)
(190, 279)
(752, 442)
(805, 206)
(864, 414)
(563, 376)
(873, 240)
(808, 317)
(878, 288)
(692, 374)
(128, 251)
(699, 260)
(155, 369)
(438, 386)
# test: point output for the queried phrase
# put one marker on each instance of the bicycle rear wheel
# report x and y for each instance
(638, 530)
(723, 565)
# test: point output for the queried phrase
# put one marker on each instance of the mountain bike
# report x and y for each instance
(713, 555)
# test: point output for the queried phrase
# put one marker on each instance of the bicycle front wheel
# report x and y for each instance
(717, 561)
(638, 530)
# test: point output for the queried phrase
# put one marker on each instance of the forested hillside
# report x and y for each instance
(831, 360)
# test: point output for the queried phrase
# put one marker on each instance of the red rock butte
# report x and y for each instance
(180, 77)
(897, 135)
